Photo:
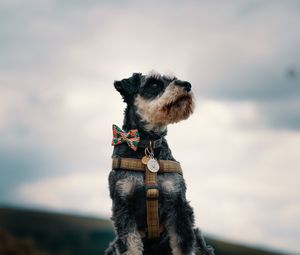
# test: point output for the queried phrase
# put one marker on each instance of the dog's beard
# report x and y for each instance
(176, 111)
(174, 105)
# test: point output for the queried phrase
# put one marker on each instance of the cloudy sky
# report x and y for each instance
(58, 60)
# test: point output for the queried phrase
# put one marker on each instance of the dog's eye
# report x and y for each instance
(154, 85)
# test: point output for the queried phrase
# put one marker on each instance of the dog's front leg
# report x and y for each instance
(129, 240)
(179, 225)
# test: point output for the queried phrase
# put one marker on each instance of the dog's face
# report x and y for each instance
(159, 100)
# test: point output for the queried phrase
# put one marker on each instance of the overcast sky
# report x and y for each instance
(58, 61)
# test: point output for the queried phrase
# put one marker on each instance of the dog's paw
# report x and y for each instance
(135, 244)
(132, 253)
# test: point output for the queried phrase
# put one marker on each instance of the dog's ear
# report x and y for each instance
(128, 87)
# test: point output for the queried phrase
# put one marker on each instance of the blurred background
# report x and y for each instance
(58, 61)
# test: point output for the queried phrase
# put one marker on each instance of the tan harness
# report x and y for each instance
(165, 166)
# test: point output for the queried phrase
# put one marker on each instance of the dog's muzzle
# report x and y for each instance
(185, 84)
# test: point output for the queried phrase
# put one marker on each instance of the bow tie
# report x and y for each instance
(132, 138)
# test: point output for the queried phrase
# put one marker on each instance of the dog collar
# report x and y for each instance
(132, 138)
(147, 142)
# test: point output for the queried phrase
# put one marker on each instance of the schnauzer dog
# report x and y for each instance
(153, 101)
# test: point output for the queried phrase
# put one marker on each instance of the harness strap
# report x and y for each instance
(133, 164)
(165, 166)
(152, 194)
(144, 233)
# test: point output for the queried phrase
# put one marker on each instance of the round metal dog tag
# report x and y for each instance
(145, 160)
(153, 165)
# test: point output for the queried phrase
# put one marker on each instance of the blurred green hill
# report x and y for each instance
(28, 232)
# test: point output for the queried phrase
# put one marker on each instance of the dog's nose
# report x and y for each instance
(185, 84)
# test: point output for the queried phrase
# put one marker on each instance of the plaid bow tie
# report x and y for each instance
(132, 138)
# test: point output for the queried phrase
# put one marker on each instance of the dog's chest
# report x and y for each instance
(169, 183)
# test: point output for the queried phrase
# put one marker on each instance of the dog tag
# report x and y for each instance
(145, 159)
(153, 165)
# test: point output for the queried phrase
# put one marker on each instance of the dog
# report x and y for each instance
(153, 102)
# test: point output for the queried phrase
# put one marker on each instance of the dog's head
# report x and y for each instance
(159, 100)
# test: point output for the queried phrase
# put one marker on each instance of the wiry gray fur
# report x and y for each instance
(127, 191)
